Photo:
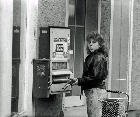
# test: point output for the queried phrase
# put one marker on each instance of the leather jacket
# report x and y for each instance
(94, 71)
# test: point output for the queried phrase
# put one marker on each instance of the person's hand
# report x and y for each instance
(73, 81)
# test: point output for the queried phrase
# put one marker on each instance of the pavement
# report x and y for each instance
(77, 108)
(78, 111)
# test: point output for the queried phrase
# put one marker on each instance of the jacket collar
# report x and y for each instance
(100, 50)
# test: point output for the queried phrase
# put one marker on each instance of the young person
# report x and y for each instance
(94, 74)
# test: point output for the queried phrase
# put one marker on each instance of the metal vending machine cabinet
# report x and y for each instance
(52, 72)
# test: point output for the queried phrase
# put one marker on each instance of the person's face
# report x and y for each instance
(92, 45)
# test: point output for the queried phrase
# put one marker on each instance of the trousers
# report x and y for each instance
(94, 97)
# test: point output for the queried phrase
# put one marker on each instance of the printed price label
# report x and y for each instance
(59, 48)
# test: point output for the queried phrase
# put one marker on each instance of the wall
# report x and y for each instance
(50, 13)
(6, 23)
(91, 23)
(105, 19)
(135, 81)
(105, 23)
(16, 12)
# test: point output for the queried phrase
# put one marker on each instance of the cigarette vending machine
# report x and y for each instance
(54, 68)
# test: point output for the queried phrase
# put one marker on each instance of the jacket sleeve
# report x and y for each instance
(98, 72)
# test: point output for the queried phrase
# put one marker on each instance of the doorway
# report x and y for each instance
(83, 18)
(120, 45)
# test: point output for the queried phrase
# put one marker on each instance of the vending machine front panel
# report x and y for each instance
(60, 57)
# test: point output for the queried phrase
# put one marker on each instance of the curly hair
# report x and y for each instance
(97, 38)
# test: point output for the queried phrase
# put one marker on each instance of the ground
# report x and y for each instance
(79, 111)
